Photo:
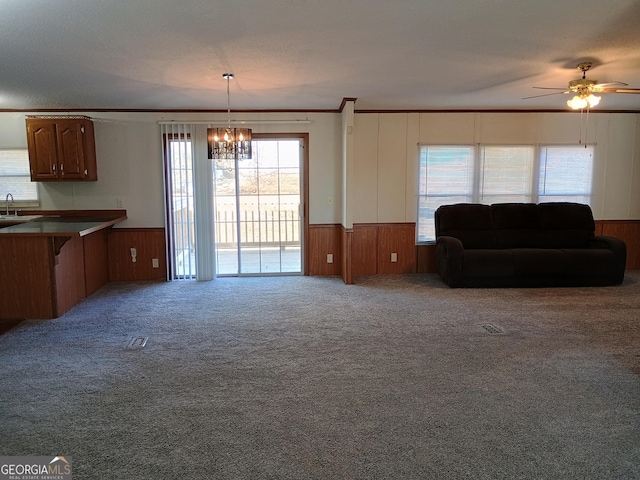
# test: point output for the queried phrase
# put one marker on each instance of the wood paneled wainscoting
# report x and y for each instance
(364, 250)
(149, 244)
(383, 248)
(324, 240)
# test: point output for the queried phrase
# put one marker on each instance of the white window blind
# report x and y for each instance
(446, 176)
(15, 178)
(566, 173)
(506, 173)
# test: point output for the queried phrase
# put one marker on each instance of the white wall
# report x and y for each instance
(386, 155)
(384, 166)
(128, 150)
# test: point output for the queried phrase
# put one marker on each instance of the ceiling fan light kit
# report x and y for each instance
(584, 90)
(580, 101)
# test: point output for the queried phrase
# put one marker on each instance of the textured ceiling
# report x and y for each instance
(310, 54)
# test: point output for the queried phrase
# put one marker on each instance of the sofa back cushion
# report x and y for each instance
(546, 225)
(471, 223)
(517, 225)
(566, 225)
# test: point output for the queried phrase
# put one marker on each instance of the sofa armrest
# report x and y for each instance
(617, 245)
(449, 254)
(619, 249)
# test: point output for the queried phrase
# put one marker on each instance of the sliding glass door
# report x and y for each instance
(259, 225)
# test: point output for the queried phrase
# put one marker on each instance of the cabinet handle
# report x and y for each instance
(54, 168)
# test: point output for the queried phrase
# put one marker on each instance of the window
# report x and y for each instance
(15, 178)
(565, 174)
(506, 174)
(446, 176)
(498, 174)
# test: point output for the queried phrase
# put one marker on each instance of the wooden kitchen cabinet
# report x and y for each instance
(61, 149)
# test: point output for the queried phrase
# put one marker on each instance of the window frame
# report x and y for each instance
(477, 158)
(18, 203)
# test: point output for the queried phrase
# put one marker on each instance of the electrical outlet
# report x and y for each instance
(329, 257)
(155, 263)
(118, 202)
(394, 257)
(134, 254)
(329, 200)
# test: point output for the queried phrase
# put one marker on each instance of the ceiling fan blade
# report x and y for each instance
(610, 85)
(621, 90)
(544, 95)
(549, 88)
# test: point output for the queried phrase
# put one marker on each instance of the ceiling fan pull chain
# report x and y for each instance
(586, 128)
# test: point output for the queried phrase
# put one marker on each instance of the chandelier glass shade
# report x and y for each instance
(229, 143)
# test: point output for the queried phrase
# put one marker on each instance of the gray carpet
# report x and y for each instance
(397, 377)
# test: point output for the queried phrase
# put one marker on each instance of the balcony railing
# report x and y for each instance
(257, 228)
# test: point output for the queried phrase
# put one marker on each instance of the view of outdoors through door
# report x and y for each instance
(180, 204)
(257, 203)
(258, 224)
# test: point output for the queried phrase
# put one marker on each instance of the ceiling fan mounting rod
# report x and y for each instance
(584, 67)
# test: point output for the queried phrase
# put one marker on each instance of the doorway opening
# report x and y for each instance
(259, 208)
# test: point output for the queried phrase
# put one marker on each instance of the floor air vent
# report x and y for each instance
(137, 343)
(493, 329)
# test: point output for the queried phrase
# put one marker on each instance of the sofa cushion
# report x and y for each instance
(471, 223)
(493, 263)
(517, 225)
(590, 261)
(538, 261)
(566, 215)
(566, 225)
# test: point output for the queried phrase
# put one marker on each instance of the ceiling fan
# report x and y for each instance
(585, 89)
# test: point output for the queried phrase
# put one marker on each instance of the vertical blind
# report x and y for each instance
(177, 159)
(188, 178)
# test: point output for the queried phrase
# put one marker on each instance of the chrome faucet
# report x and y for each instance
(7, 202)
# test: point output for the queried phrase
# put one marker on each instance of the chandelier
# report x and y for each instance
(229, 143)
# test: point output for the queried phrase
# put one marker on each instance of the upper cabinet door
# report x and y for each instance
(70, 150)
(41, 139)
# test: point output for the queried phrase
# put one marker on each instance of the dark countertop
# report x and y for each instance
(60, 226)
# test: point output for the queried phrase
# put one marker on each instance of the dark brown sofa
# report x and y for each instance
(525, 245)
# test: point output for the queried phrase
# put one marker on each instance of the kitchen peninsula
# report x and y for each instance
(51, 263)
